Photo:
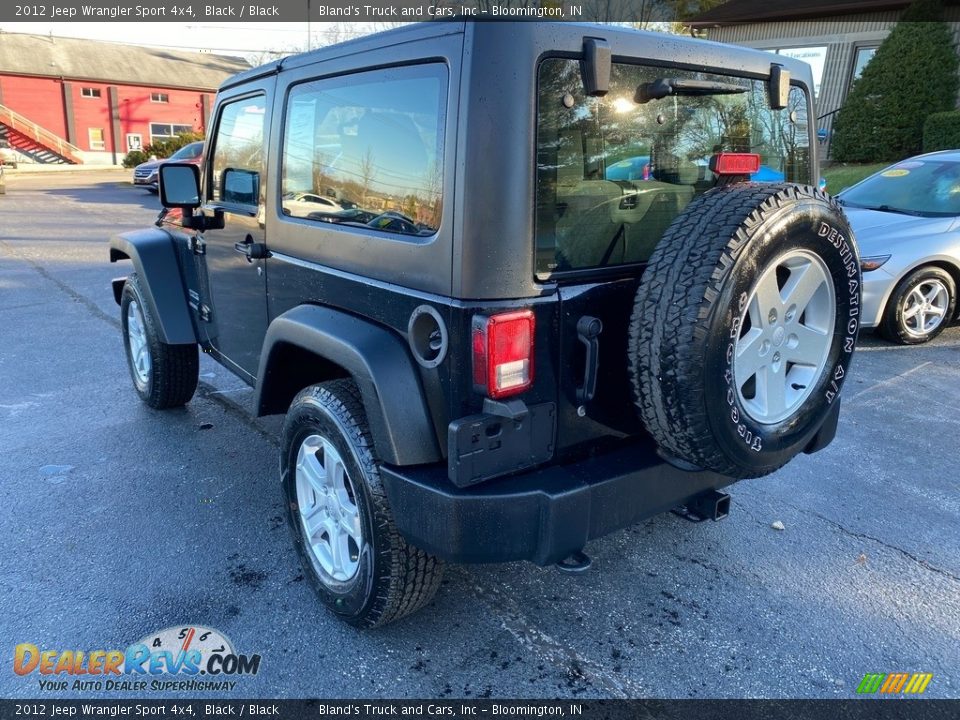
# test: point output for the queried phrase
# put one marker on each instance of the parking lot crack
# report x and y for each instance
(863, 536)
(69, 291)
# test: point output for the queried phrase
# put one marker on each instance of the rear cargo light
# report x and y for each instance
(503, 353)
(735, 163)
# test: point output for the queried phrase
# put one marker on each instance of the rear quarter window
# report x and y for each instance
(371, 145)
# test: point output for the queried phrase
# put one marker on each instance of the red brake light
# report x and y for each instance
(503, 353)
(735, 163)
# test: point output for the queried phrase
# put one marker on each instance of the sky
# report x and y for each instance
(223, 38)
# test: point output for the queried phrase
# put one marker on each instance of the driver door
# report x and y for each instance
(232, 259)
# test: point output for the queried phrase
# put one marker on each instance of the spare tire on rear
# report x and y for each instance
(744, 326)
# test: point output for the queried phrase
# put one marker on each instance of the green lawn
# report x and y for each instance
(842, 175)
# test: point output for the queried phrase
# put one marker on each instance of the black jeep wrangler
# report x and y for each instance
(515, 286)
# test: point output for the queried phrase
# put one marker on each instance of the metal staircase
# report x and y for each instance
(28, 138)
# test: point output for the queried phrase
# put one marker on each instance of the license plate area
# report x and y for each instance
(483, 447)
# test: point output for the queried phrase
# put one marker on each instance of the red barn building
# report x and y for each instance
(64, 100)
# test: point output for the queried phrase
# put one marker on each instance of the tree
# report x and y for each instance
(680, 12)
(913, 74)
(367, 169)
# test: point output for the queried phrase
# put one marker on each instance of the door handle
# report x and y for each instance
(588, 330)
(252, 250)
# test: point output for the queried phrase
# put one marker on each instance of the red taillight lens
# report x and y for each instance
(503, 353)
(735, 163)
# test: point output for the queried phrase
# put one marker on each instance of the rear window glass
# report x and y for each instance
(612, 173)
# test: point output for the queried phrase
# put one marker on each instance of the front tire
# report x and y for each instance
(341, 521)
(920, 307)
(164, 376)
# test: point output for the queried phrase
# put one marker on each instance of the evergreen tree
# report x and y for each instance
(912, 74)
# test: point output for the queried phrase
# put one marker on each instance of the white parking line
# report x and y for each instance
(890, 381)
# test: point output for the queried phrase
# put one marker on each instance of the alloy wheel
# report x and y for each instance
(786, 331)
(140, 357)
(925, 307)
(329, 515)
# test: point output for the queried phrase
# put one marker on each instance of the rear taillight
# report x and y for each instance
(503, 353)
(735, 163)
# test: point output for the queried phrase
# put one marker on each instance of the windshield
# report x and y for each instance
(927, 187)
(188, 152)
(613, 173)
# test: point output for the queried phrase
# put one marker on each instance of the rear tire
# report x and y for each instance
(342, 524)
(164, 376)
(744, 326)
(920, 307)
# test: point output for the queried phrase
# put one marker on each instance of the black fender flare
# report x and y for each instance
(154, 258)
(379, 362)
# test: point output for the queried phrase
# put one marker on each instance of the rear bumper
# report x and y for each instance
(542, 515)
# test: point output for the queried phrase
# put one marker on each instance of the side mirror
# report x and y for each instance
(180, 186)
(240, 186)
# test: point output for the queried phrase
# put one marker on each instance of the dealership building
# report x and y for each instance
(64, 100)
(836, 37)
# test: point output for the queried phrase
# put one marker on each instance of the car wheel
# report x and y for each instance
(164, 376)
(342, 525)
(920, 307)
(744, 326)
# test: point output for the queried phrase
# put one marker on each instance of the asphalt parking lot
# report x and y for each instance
(117, 521)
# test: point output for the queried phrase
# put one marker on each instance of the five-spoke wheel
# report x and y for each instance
(140, 360)
(342, 524)
(328, 508)
(785, 336)
(925, 307)
(920, 307)
(164, 375)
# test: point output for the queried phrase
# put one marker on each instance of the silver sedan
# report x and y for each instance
(906, 219)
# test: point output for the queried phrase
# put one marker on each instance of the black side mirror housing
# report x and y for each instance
(179, 185)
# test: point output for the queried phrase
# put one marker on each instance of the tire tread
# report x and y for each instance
(675, 302)
(413, 576)
(175, 369)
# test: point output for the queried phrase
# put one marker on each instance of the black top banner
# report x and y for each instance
(336, 11)
(894, 709)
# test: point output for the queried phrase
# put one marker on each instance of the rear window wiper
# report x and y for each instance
(662, 87)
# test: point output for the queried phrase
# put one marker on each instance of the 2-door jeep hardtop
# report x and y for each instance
(545, 300)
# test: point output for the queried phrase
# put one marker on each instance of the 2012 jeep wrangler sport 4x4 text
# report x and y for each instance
(515, 286)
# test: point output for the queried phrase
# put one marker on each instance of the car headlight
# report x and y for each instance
(872, 263)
